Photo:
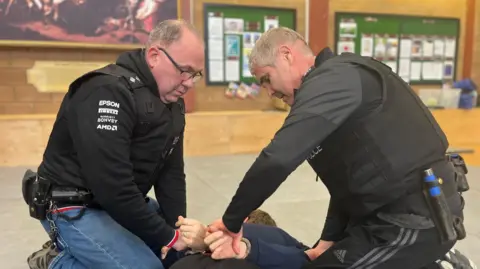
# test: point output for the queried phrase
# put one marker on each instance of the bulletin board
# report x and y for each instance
(421, 50)
(230, 34)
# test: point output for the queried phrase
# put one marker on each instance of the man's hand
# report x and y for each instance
(220, 244)
(322, 246)
(218, 225)
(180, 244)
(193, 233)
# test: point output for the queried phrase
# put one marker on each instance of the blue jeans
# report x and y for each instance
(97, 241)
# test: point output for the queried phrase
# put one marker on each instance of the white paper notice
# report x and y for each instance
(392, 47)
(232, 70)
(380, 46)
(417, 46)
(367, 46)
(450, 48)
(271, 22)
(427, 71)
(437, 70)
(215, 27)
(405, 48)
(215, 49)
(215, 71)
(427, 48)
(404, 68)
(438, 48)
(346, 46)
(348, 29)
(392, 65)
(415, 70)
(406, 79)
(233, 25)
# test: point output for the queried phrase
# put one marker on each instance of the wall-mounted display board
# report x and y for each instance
(421, 50)
(230, 34)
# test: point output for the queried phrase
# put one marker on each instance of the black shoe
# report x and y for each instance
(41, 259)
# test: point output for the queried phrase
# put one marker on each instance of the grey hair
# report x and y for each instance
(168, 31)
(265, 51)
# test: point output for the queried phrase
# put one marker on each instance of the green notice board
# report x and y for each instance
(421, 50)
(230, 34)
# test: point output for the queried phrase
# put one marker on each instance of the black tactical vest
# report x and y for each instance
(378, 154)
(150, 118)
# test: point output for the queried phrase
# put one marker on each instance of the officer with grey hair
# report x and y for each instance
(374, 145)
(118, 134)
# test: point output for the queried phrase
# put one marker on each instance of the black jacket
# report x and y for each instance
(95, 144)
(364, 132)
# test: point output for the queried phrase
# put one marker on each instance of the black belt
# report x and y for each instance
(70, 196)
(414, 201)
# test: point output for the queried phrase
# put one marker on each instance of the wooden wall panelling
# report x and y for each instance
(475, 73)
(318, 24)
(469, 39)
(235, 132)
(19, 97)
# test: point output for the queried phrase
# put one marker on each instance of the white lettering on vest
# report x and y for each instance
(107, 127)
(108, 103)
(108, 111)
(315, 152)
(106, 120)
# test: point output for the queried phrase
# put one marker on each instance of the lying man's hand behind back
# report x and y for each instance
(220, 244)
(218, 225)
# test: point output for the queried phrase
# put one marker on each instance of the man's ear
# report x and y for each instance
(245, 220)
(151, 56)
(285, 53)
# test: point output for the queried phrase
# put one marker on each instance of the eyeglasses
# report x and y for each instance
(185, 74)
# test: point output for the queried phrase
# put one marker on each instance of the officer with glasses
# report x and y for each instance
(118, 134)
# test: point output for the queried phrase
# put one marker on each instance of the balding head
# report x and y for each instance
(175, 53)
(167, 32)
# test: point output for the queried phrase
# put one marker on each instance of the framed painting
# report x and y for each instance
(97, 24)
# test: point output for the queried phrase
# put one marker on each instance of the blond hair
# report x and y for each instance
(168, 31)
(265, 51)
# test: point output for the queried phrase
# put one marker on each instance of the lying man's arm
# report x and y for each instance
(275, 256)
(273, 248)
(265, 246)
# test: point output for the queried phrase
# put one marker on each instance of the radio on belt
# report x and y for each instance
(441, 214)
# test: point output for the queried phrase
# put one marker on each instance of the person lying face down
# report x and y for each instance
(265, 246)
(259, 216)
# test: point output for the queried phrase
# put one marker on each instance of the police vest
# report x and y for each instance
(377, 156)
(146, 111)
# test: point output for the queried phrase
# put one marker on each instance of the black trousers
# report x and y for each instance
(382, 245)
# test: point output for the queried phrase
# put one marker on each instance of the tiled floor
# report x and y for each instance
(299, 205)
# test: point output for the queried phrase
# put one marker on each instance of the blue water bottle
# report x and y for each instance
(441, 214)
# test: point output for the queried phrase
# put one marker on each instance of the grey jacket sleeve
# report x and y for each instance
(335, 223)
(321, 105)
